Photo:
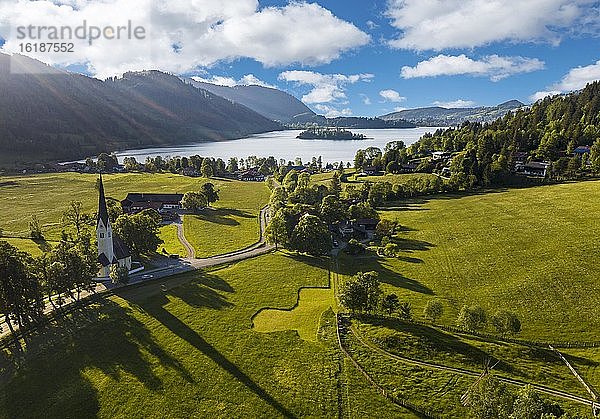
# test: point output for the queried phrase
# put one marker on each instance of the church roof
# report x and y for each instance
(103, 260)
(120, 248)
(102, 209)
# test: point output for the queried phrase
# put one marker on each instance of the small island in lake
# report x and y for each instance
(329, 134)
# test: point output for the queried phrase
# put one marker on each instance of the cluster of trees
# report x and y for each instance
(196, 201)
(363, 293)
(492, 399)
(71, 266)
(64, 272)
(390, 160)
(475, 318)
(302, 213)
(206, 166)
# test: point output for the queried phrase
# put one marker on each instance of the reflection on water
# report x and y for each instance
(284, 145)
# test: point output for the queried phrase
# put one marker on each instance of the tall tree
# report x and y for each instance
(20, 293)
(311, 236)
(210, 192)
(140, 232)
(362, 292)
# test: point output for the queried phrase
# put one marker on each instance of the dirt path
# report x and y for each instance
(191, 252)
(475, 374)
(158, 276)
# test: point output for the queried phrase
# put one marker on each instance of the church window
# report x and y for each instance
(101, 235)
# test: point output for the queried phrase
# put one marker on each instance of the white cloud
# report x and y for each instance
(325, 88)
(332, 112)
(441, 24)
(366, 99)
(247, 80)
(459, 103)
(391, 96)
(184, 35)
(575, 79)
(542, 94)
(493, 66)
(399, 109)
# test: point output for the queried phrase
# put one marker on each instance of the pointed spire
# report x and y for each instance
(102, 209)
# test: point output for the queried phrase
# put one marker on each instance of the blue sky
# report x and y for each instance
(350, 57)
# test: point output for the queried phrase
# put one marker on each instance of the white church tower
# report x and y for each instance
(106, 252)
(111, 249)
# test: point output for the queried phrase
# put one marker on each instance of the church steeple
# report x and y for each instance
(102, 209)
(106, 251)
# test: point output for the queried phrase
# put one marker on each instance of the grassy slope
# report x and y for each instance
(49, 195)
(171, 244)
(188, 352)
(233, 222)
(399, 179)
(532, 251)
(304, 318)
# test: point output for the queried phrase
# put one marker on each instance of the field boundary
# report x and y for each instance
(398, 402)
(489, 336)
(296, 304)
(543, 389)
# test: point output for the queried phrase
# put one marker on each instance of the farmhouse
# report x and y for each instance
(536, 169)
(111, 249)
(251, 175)
(163, 203)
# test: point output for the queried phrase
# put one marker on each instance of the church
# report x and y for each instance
(111, 249)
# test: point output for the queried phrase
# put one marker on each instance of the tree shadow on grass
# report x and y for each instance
(43, 245)
(106, 337)
(411, 245)
(429, 342)
(350, 266)
(203, 293)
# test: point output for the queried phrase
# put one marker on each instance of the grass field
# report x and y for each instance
(533, 251)
(48, 196)
(187, 352)
(303, 318)
(171, 244)
(233, 221)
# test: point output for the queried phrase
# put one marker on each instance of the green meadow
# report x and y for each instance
(258, 338)
(230, 225)
(532, 251)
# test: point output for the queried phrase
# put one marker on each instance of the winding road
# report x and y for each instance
(172, 267)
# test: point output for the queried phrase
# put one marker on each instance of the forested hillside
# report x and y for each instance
(549, 130)
(49, 114)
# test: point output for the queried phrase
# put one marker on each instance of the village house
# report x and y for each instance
(536, 169)
(251, 175)
(163, 203)
(581, 150)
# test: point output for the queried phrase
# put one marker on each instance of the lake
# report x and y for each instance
(284, 145)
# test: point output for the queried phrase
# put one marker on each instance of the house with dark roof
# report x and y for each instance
(536, 169)
(163, 203)
(112, 251)
(582, 149)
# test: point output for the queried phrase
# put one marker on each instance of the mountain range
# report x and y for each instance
(49, 114)
(443, 117)
(270, 103)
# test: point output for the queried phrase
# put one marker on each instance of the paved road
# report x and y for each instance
(171, 267)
